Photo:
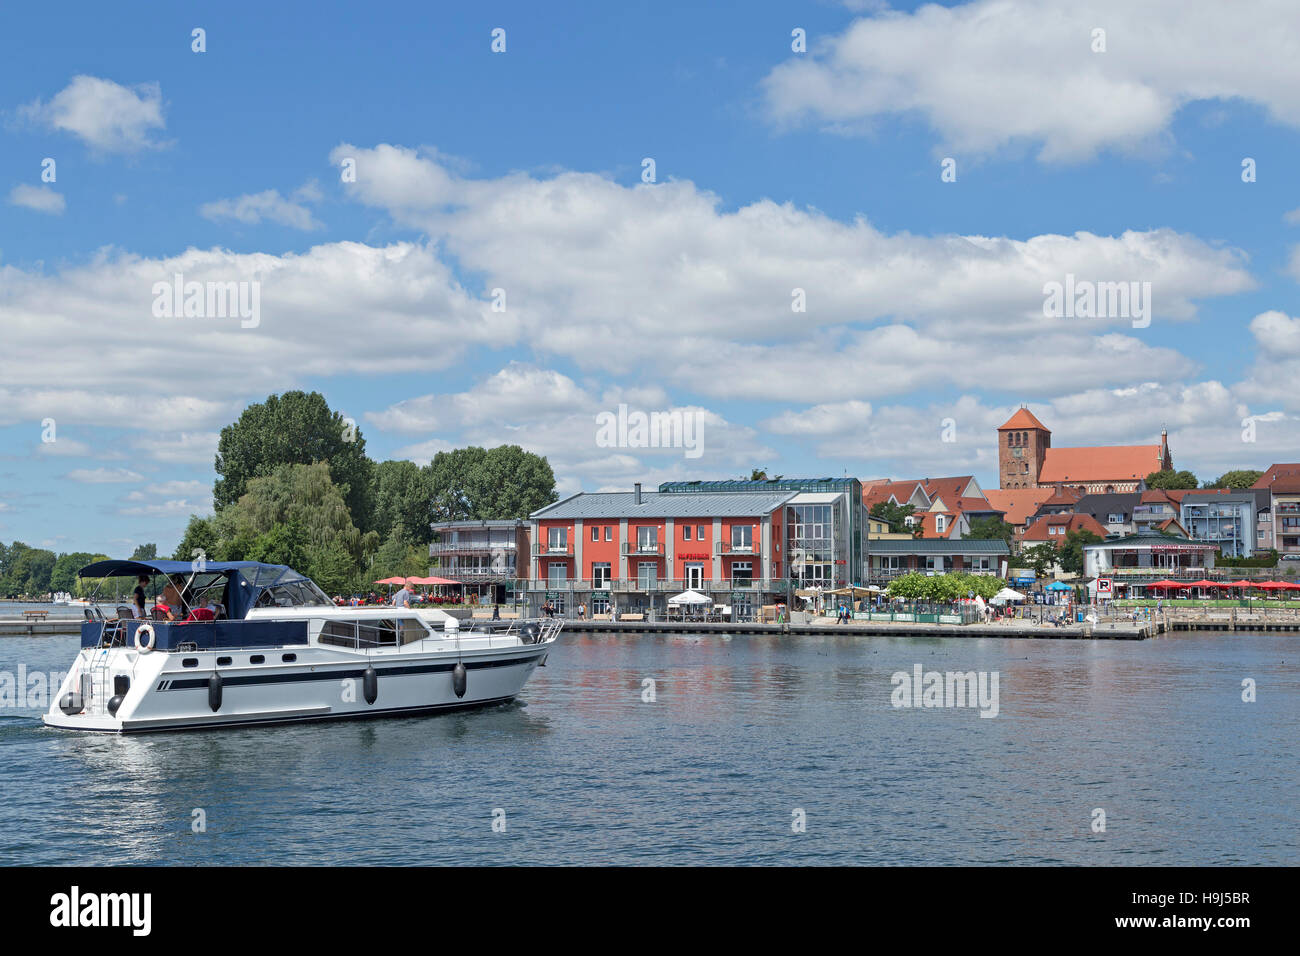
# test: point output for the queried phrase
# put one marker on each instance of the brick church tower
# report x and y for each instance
(1022, 445)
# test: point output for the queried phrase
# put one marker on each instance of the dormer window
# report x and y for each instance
(939, 523)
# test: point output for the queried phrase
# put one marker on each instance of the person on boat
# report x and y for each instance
(170, 604)
(402, 598)
(138, 595)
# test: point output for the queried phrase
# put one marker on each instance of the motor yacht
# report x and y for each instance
(245, 643)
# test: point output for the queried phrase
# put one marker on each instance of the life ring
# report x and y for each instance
(144, 648)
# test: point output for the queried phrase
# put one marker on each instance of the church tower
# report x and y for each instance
(1022, 444)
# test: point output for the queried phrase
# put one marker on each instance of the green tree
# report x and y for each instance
(201, 535)
(403, 495)
(1071, 555)
(991, 527)
(1172, 480)
(64, 575)
(477, 483)
(307, 503)
(1040, 557)
(1241, 478)
(145, 552)
(399, 557)
(296, 428)
(892, 514)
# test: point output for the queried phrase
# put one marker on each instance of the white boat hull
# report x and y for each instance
(171, 690)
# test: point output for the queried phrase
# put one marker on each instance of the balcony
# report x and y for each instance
(557, 550)
(649, 549)
(471, 547)
(727, 547)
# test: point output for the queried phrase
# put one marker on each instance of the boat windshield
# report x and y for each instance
(290, 589)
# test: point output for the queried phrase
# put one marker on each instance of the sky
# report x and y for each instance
(819, 237)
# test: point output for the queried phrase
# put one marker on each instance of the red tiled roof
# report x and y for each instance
(1023, 418)
(881, 491)
(1017, 504)
(975, 504)
(1275, 472)
(1102, 463)
(949, 489)
(1069, 522)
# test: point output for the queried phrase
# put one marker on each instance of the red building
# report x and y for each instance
(629, 551)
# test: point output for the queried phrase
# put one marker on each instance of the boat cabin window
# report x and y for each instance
(190, 662)
(381, 633)
(257, 659)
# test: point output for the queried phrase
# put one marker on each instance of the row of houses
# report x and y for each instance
(750, 543)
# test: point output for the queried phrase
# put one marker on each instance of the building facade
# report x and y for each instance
(1139, 553)
(486, 557)
(628, 552)
(1227, 517)
(892, 558)
(1026, 459)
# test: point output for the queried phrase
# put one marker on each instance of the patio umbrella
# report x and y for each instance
(1058, 586)
(1203, 583)
(391, 581)
(689, 598)
(433, 580)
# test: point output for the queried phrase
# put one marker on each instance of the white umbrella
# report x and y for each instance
(690, 597)
(1005, 595)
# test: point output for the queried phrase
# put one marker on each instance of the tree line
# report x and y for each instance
(294, 486)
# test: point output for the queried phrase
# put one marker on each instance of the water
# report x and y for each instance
(744, 732)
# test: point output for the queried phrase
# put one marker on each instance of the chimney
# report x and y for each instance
(637, 491)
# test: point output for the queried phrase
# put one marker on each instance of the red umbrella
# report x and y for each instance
(1242, 584)
(391, 581)
(1167, 584)
(1203, 583)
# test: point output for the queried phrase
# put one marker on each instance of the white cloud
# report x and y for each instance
(548, 413)
(103, 476)
(38, 198)
(107, 116)
(594, 271)
(168, 499)
(252, 209)
(993, 73)
(184, 448)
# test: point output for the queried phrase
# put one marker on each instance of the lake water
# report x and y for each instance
(745, 734)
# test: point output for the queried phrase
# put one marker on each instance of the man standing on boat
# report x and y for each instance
(403, 597)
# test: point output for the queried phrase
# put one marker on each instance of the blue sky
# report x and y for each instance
(522, 170)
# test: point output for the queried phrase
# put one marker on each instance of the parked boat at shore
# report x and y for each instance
(247, 643)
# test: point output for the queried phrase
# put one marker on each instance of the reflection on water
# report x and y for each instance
(742, 731)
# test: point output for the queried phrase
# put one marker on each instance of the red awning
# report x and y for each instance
(1203, 583)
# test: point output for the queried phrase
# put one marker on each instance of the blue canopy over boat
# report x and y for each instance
(114, 569)
(251, 583)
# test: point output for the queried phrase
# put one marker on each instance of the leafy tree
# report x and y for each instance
(403, 495)
(145, 552)
(1071, 556)
(399, 557)
(991, 527)
(28, 570)
(64, 575)
(893, 514)
(477, 483)
(305, 501)
(1172, 480)
(944, 588)
(296, 428)
(1041, 557)
(760, 474)
(200, 535)
(1241, 478)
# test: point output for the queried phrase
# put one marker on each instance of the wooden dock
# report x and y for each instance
(16, 627)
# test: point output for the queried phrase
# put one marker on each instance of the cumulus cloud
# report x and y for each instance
(993, 73)
(38, 198)
(550, 414)
(591, 268)
(268, 206)
(107, 116)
